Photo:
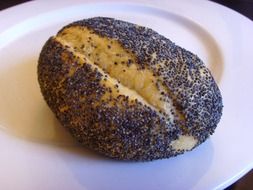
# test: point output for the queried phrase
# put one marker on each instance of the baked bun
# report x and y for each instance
(127, 92)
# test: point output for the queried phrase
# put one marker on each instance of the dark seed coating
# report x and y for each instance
(115, 126)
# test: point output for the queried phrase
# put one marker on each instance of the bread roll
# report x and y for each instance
(126, 91)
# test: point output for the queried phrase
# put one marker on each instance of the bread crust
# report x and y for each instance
(117, 127)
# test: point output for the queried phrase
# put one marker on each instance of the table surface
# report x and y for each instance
(244, 7)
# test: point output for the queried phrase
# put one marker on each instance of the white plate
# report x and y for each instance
(37, 153)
